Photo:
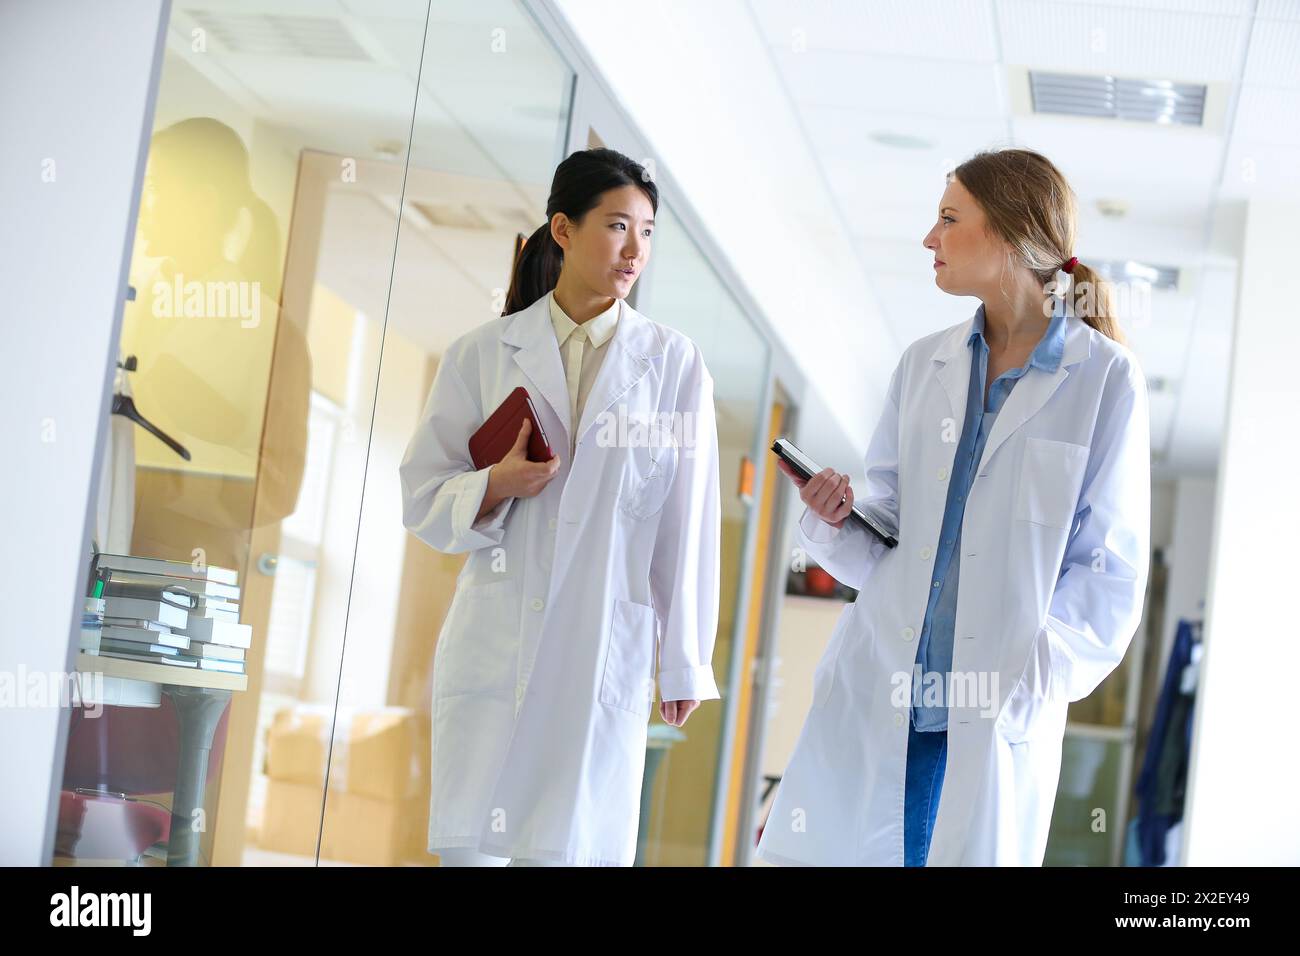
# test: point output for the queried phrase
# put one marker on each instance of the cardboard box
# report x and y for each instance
(357, 829)
(374, 751)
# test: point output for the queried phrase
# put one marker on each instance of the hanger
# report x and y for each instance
(124, 405)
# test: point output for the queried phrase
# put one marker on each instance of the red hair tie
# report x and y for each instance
(1069, 266)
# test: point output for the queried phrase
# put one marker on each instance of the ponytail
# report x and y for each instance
(537, 270)
(1093, 302)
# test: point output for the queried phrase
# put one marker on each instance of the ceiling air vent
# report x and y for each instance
(1111, 97)
(263, 34)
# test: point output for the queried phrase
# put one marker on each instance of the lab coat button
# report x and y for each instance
(925, 552)
(898, 720)
(943, 473)
(552, 524)
(538, 604)
(908, 633)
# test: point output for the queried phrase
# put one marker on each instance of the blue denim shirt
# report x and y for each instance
(934, 652)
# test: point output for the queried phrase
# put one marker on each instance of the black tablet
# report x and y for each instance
(805, 468)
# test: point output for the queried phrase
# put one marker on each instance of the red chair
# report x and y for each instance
(125, 751)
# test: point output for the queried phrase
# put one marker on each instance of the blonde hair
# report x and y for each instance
(1030, 205)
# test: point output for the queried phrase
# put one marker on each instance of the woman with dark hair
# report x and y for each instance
(1013, 454)
(581, 569)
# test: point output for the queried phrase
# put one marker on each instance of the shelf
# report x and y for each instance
(160, 673)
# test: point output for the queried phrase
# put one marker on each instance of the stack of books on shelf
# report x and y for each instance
(167, 612)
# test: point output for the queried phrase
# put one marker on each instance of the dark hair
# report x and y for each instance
(579, 183)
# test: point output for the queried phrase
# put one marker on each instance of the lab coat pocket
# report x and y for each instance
(1036, 705)
(477, 652)
(824, 675)
(628, 679)
(652, 465)
(1051, 478)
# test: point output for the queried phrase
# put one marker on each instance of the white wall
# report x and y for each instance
(76, 103)
(1244, 774)
(698, 80)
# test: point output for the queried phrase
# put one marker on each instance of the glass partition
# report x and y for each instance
(226, 530)
(489, 126)
(330, 199)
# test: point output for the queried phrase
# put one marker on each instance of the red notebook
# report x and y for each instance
(497, 435)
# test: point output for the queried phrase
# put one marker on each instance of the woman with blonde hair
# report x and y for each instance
(1013, 456)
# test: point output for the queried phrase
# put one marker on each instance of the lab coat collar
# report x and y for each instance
(597, 329)
(1031, 392)
(635, 346)
(1075, 348)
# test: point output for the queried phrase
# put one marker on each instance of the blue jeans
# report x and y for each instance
(926, 756)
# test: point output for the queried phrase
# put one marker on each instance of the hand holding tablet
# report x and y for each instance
(826, 492)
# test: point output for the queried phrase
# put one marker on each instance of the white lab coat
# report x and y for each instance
(1054, 560)
(544, 671)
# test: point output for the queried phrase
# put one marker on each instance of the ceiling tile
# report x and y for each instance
(1157, 41)
(946, 29)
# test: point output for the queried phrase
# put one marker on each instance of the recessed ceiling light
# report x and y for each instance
(1112, 208)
